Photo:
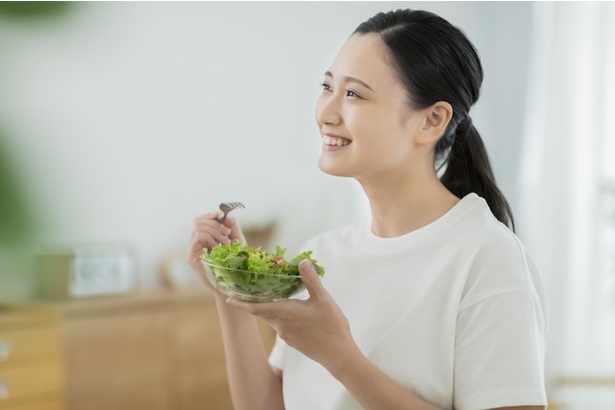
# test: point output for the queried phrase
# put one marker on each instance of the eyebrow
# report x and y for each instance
(351, 79)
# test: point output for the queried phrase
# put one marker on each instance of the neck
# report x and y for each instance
(404, 204)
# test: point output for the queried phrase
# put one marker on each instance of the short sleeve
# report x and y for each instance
(499, 352)
(276, 357)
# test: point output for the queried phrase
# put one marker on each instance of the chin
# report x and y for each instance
(333, 170)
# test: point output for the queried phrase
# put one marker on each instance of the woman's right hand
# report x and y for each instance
(207, 232)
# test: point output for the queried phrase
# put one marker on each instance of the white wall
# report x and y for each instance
(128, 119)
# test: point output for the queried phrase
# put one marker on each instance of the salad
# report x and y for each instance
(249, 273)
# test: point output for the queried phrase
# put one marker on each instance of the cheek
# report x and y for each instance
(384, 141)
(376, 132)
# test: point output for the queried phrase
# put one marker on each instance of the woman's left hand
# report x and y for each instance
(316, 327)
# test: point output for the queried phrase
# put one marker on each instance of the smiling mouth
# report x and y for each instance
(336, 141)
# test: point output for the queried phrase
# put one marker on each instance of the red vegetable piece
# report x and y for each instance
(277, 261)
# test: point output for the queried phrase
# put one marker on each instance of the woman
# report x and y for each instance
(431, 303)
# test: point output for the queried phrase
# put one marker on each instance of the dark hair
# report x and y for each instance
(436, 62)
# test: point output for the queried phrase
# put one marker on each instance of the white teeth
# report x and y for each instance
(340, 142)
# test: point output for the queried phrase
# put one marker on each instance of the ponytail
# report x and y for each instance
(468, 170)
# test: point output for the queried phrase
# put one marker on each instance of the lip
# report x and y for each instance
(334, 148)
(332, 135)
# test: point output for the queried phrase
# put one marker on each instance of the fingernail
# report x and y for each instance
(308, 263)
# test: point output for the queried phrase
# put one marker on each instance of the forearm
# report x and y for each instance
(371, 387)
(252, 382)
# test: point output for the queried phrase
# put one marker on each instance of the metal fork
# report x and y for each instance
(227, 207)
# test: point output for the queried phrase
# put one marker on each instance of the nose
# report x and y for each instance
(328, 110)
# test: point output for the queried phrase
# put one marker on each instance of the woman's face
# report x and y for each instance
(363, 114)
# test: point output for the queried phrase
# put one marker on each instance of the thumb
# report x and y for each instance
(310, 278)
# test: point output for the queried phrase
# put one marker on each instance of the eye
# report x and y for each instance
(326, 87)
(352, 94)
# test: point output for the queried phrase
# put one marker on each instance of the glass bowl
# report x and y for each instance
(253, 286)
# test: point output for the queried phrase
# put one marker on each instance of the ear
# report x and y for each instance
(434, 121)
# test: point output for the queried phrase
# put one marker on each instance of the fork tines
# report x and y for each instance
(235, 205)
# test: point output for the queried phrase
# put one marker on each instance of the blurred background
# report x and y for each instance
(120, 122)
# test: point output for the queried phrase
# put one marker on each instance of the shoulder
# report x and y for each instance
(498, 262)
(486, 237)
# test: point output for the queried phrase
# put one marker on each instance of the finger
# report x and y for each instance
(210, 227)
(211, 224)
(195, 254)
(206, 241)
(209, 215)
(236, 232)
(211, 238)
(310, 278)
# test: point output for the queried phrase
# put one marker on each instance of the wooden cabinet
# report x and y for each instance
(155, 351)
(120, 361)
(159, 351)
(31, 359)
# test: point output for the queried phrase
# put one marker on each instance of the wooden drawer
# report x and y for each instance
(30, 383)
(48, 405)
(25, 345)
(31, 359)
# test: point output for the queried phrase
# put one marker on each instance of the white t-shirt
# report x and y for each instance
(455, 312)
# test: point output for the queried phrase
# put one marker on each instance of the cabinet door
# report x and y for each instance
(201, 369)
(118, 361)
